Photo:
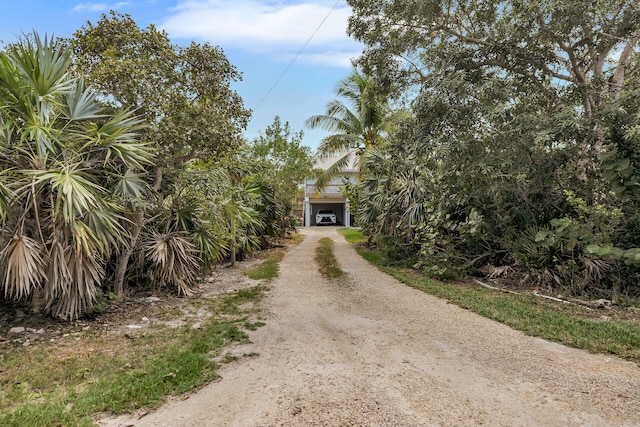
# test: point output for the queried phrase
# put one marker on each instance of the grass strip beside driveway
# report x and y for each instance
(571, 325)
(71, 382)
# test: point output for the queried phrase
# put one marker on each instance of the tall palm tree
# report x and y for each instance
(66, 169)
(357, 126)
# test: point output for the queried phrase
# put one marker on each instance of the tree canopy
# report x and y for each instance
(184, 93)
(546, 45)
(518, 151)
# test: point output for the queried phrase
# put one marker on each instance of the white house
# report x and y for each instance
(331, 196)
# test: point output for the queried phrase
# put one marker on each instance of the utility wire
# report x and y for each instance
(297, 56)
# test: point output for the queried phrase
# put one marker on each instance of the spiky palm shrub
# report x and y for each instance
(174, 260)
(202, 219)
(178, 243)
(66, 170)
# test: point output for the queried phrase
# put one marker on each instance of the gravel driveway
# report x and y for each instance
(374, 352)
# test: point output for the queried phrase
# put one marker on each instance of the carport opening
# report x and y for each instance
(338, 208)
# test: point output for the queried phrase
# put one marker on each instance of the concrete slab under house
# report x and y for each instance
(330, 197)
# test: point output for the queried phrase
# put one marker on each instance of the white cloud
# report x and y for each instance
(266, 26)
(331, 59)
(99, 7)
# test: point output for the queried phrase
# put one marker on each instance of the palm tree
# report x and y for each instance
(66, 170)
(357, 127)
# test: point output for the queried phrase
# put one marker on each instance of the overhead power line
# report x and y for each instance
(297, 55)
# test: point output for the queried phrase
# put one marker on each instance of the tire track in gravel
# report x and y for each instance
(375, 352)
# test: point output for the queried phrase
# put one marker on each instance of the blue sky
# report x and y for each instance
(260, 37)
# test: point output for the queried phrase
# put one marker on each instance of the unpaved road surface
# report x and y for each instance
(373, 352)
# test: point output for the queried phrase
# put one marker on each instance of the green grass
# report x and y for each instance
(567, 324)
(326, 260)
(71, 383)
(267, 269)
(352, 235)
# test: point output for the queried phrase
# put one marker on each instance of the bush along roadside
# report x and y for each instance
(572, 325)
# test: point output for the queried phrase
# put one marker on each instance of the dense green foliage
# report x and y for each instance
(96, 199)
(521, 147)
(194, 120)
(68, 169)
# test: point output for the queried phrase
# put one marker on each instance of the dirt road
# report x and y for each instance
(374, 352)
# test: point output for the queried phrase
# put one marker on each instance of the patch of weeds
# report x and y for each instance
(327, 262)
(231, 303)
(252, 326)
(267, 269)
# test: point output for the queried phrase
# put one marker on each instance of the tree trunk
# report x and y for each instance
(38, 300)
(233, 242)
(138, 223)
(123, 259)
(617, 80)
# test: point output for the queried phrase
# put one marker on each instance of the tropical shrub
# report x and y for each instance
(67, 170)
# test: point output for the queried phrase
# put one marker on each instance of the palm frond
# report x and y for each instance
(338, 143)
(106, 232)
(22, 263)
(86, 273)
(185, 216)
(119, 137)
(9, 80)
(353, 86)
(58, 274)
(350, 121)
(326, 122)
(174, 259)
(210, 243)
(83, 238)
(81, 104)
(336, 169)
(130, 186)
(75, 193)
(35, 131)
(43, 64)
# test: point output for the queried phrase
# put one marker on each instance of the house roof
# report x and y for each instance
(324, 162)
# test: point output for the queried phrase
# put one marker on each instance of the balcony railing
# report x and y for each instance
(329, 191)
